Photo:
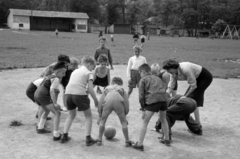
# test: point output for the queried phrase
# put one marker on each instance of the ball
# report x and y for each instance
(110, 132)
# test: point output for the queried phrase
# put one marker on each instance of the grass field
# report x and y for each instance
(30, 49)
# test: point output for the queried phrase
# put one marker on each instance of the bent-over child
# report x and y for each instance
(81, 82)
(152, 97)
(114, 98)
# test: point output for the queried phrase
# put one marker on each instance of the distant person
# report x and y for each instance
(56, 32)
(148, 35)
(103, 50)
(112, 40)
(45, 96)
(198, 78)
(142, 38)
(100, 34)
(133, 74)
(135, 38)
(101, 73)
(152, 98)
(79, 85)
(114, 98)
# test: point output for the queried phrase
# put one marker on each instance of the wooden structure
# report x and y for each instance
(231, 32)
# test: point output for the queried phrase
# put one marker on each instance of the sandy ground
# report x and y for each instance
(220, 119)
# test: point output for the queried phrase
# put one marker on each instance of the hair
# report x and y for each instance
(137, 47)
(170, 64)
(63, 58)
(117, 80)
(74, 60)
(145, 67)
(155, 69)
(103, 58)
(59, 65)
(102, 38)
(87, 60)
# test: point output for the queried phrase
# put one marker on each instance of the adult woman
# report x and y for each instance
(198, 78)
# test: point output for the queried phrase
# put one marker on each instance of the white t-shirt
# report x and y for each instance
(78, 82)
(134, 63)
(38, 81)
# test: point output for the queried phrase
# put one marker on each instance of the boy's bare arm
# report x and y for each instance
(108, 76)
(100, 104)
(142, 94)
(92, 93)
(126, 103)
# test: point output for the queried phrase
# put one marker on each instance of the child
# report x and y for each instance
(132, 69)
(77, 97)
(56, 32)
(101, 73)
(142, 37)
(135, 38)
(46, 98)
(114, 99)
(112, 40)
(152, 97)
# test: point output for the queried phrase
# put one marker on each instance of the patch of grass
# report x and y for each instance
(16, 123)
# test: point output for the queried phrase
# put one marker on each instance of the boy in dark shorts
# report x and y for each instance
(80, 83)
(152, 97)
(45, 96)
(114, 98)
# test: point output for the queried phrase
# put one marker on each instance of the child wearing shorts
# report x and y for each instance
(112, 40)
(80, 83)
(114, 98)
(45, 96)
(152, 97)
(132, 69)
(101, 73)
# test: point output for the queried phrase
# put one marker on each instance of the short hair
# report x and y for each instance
(87, 60)
(74, 60)
(145, 67)
(117, 80)
(63, 58)
(59, 65)
(102, 38)
(155, 69)
(170, 64)
(137, 47)
(103, 58)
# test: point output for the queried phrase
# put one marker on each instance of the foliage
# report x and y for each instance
(219, 26)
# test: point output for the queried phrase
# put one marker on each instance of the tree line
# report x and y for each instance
(188, 14)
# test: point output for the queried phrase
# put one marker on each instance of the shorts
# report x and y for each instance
(101, 81)
(156, 107)
(142, 40)
(42, 96)
(135, 78)
(30, 91)
(82, 102)
(113, 102)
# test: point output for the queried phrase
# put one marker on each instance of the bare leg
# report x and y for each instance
(69, 120)
(103, 120)
(56, 113)
(197, 115)
(130, 89)
(88, 116)
(164, 124)
(124, 123)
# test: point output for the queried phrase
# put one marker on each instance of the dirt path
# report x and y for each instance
(220, 119)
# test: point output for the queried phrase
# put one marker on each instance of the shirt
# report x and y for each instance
(134, 63)
(186, 71)
(151, 90)
(37, 82)
(105, 51)
(78, 82)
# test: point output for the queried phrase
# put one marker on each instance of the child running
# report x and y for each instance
(152, 97)
(45, 96)
(80, 82)
(114, 98)
(102, 73)
(132, 69)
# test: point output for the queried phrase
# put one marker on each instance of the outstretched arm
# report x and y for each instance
(126, 103)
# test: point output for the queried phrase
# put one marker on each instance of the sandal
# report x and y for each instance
(129, 143)
(99, 142)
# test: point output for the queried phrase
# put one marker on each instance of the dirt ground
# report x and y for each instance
(220, 120)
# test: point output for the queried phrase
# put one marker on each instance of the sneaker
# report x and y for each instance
(138, 147)
(129, 143)
(198, 132)
(43, 131)
(57, 138)
(90, 141)
(64, 138)
(166, 142)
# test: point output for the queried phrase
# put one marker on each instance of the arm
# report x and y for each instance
(171, 84)
(126, 103)
(100, 105)
(191, 79)
(54, 86)
(110, 59)
(109, 77)
(95, 73)
(91, 91)
(96, 55)
(129, 67)
(142, 94)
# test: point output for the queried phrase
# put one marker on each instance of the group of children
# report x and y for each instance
(78, 83)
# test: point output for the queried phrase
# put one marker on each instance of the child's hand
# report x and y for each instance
(57, 91)
(143, 114)
(57, 106)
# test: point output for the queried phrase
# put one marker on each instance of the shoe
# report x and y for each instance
(162, 137)
(166, 142)
(43, 131)
(138, 147)
(57, 138)
(90, 141)
(64, 138)
(198, 132)
(129, 143)
(99, 142)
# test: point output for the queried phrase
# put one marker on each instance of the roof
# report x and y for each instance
(53, 14)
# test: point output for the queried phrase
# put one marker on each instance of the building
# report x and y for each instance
(120, 29)
(47, 20)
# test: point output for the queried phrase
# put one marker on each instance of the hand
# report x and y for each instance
(57, 106)
(143, 114)
(112, 68)
(57, 91)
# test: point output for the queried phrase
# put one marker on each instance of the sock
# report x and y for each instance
(41, 123)
(56, 133)
(125, 133)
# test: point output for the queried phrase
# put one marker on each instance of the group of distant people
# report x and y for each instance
(157, 89)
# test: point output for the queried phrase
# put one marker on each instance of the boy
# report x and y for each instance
(45, 96)
(114, 99)
(135, 38)
(77, 97)
(152, 97)
(132, 69)
(112, 40)
(102, 73)
(103, 50)
(142, 37)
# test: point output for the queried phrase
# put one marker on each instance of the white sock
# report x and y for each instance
(41, 123)
(56, 133)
